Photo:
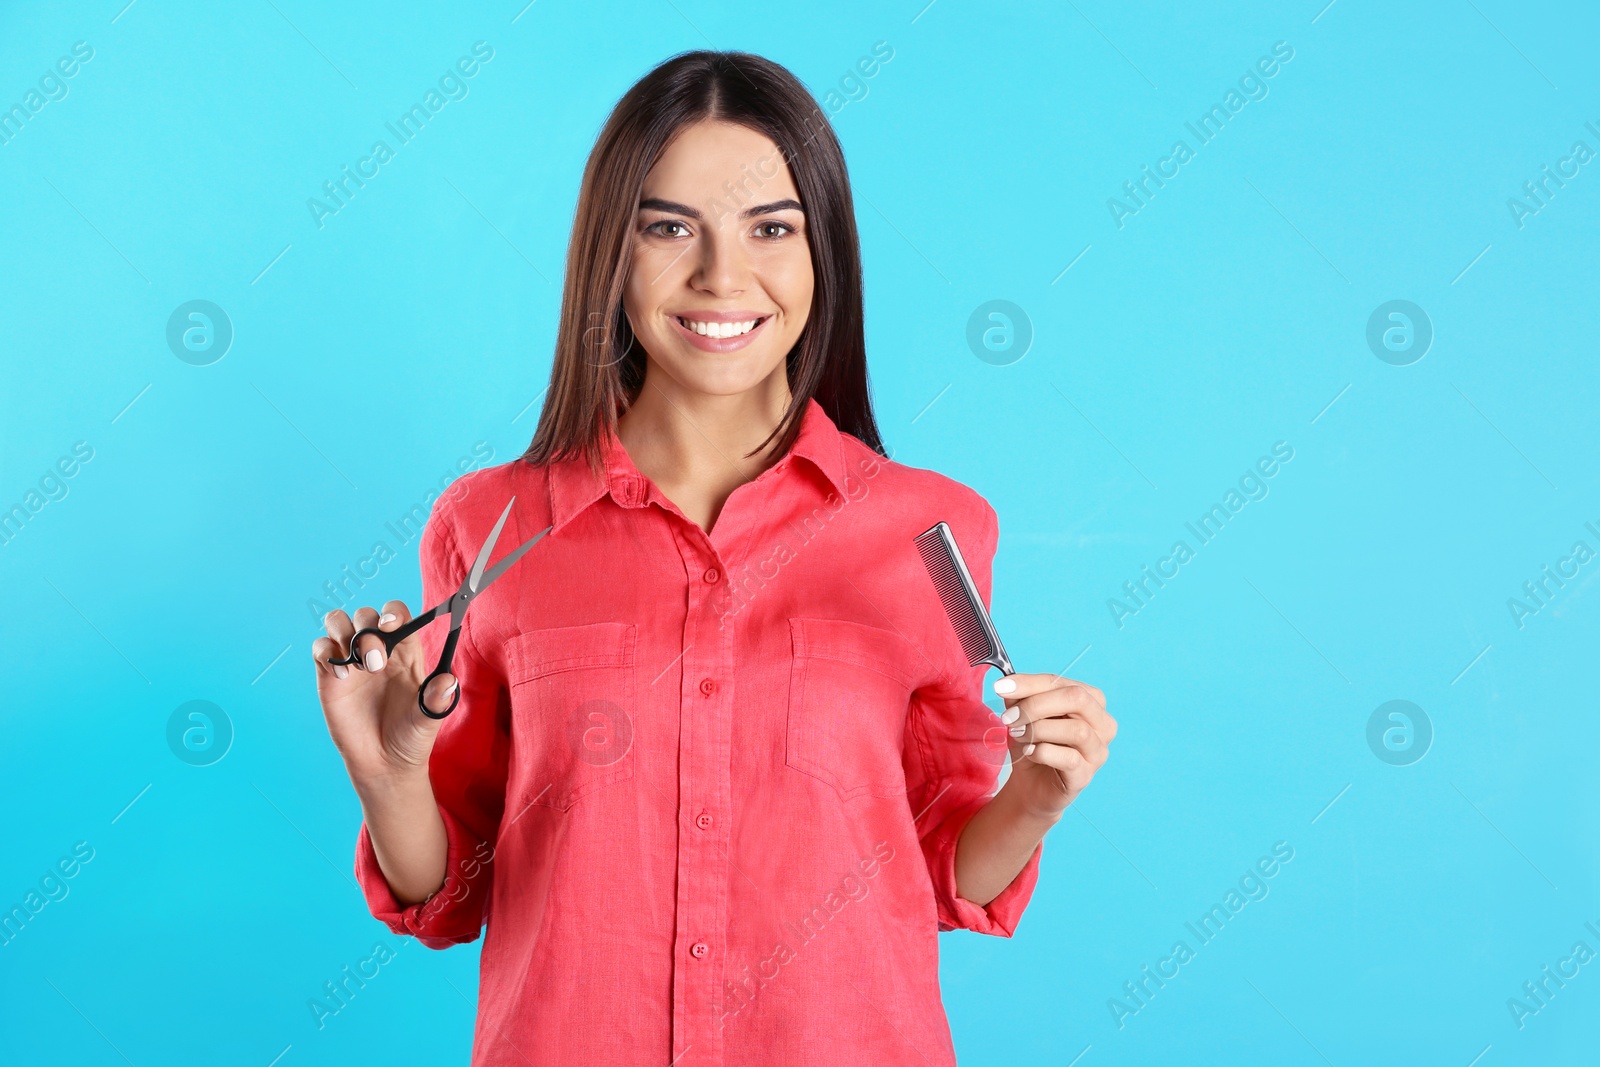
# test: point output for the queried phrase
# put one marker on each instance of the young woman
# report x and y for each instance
(719, 772)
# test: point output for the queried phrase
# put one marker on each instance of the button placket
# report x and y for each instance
(703, 761)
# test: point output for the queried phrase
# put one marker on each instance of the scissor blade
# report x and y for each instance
(515, 554)
(488, 547)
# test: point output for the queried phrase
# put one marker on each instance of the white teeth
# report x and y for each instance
(719, 329)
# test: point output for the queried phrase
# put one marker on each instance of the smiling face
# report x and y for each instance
(720, 281)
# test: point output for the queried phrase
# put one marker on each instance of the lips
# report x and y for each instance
(724, 331)
(719, 329)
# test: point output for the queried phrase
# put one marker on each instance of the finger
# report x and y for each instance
(395, 615)
(1069, 699)
(1105, 726)
(338, 626)
(368, 646)
(437, 692)
(1074, 701)
(1068, 762)
(1088, 692)
(1017, 686)
(322, 650)
(1074, 733)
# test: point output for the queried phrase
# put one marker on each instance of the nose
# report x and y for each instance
(722, 269)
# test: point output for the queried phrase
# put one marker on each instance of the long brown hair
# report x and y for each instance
(598, 370)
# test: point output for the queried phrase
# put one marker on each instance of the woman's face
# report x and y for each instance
(719, 286)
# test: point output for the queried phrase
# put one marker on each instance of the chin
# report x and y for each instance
(734, 382)
(724, 374)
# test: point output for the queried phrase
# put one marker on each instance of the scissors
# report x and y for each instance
(476, 581)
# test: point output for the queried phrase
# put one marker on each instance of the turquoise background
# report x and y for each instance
(1227, 314)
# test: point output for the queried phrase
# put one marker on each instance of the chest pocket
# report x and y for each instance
(849, 692)
(572, 695)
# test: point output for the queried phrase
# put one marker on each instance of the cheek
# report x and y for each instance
(791, 284)
(657, 265)
(651, 277)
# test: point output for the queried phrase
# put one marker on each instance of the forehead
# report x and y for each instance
(702, 157)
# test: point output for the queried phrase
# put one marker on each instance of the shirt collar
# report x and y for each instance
(573, 486)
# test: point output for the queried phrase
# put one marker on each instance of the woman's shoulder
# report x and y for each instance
(931, 488)
(471, 503)
(918, 497)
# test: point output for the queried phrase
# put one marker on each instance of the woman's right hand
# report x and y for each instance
(372, 714)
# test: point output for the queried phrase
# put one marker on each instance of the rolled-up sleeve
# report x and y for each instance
(955, 749)
(467, 770)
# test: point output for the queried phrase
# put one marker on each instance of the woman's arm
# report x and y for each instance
(1060, 736)
(408, 836)
(386, 746)
(997, 843)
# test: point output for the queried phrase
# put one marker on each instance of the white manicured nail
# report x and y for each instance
(1012, 714)
(1005, 685)
(374, 660)
(387, 616)
(340, 672)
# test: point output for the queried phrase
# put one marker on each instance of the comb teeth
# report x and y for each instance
(956, 603)
(950, 577)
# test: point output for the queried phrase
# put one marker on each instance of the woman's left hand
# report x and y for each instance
(1060, 736)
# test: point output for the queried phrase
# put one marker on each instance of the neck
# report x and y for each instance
(694, 446)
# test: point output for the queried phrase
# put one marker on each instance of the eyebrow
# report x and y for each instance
(672, 207)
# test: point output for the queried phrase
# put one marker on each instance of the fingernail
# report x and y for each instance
(1005, 685)
(374, 660)
(340, 672)
(1012, 714)
(1028, 751)
(451, 690)
(387, 616)
(1018, 730)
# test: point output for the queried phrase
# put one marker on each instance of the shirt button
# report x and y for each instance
(699, 949)
(707, 686)
(704, 821)
(712, 575)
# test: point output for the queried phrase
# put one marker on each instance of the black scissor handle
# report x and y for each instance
(442, 668)
(390, 638)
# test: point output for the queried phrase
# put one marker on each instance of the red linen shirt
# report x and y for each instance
(704, 790)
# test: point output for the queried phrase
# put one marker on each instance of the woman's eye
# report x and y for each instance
(781, 228)
(660, 228)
